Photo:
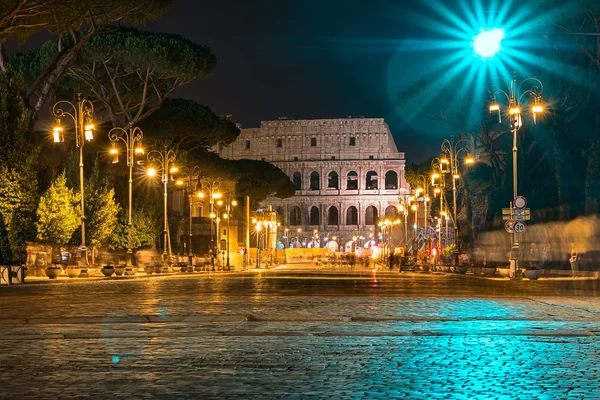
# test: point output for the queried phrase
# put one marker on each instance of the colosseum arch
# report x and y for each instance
(297, 180)
(371, 215)
(281, 215)
(371, 181)
(333, 180)
(315, 181)
(333, 217)
(295, 216)
(352, 181)
(391, 211)
(351, 216)
(314, 216)
(391, 180)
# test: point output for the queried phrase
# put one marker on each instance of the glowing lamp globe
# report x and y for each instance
(488, 42)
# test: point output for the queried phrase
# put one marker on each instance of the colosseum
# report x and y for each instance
(347, 172)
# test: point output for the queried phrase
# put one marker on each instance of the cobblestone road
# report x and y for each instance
(289, 336)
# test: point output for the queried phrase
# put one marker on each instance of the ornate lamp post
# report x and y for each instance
(189, 177)
(164, 159)
(262, 228)
(532, 89)
(211, 188)
(82, 114)
(423, 189)
(228, 206)
(404, 211)
(132, 140)
(449, 163)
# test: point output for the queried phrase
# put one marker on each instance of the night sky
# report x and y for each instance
(310, 59)
(307, 59)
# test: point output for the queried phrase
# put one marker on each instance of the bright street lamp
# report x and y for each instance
(212, 191)
(532, 88)
(82, 115)
(488, 43)
(163, 158)
(452, 150)
(132, 140)
(190, 176)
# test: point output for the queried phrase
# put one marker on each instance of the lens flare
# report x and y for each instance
(488, 43)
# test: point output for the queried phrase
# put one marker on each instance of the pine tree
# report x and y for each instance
(18, 179)
(101, 210)
(145, 229)
(58, 214)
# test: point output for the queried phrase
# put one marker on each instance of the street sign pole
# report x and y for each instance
(514, 251)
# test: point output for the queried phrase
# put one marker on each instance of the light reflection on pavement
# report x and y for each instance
(296, 336)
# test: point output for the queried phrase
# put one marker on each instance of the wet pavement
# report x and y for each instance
(284, 334)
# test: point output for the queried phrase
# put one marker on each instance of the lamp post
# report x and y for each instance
(438, 181)
(449, 163)
(164, 159)
(285, 237)
(132, 140)
(82, 114)
(230, 203)
(404, 211)
(262, 228)
(415, 209)
(531, 88)
(190, 177)
(212, 189)
(424, 189)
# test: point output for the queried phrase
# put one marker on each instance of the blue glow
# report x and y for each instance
(488, 43)
(116, 359)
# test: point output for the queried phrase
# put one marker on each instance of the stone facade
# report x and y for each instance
(347, 172)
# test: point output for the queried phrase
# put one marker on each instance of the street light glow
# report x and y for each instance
(88, 132)
(488, 42)
(151, 172)
(58, 135)
(115, 153)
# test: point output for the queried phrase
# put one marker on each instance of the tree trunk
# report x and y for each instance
(592, 180)
(558, 173)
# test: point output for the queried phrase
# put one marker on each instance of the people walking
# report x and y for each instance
(391, 261)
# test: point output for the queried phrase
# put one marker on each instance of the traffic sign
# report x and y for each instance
(518, 214)
(522, 214)
(509, 226)
(520, 227)
(520, 202)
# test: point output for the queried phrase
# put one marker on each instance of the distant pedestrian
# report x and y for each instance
(574, 260)
(391, 261)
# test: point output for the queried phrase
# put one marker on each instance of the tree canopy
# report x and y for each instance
(189, 125)
(257, 179)
(126, 72)
(75, 22)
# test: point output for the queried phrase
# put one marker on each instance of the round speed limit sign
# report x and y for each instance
(520, 227)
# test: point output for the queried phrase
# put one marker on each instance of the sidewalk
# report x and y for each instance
(100, 277)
